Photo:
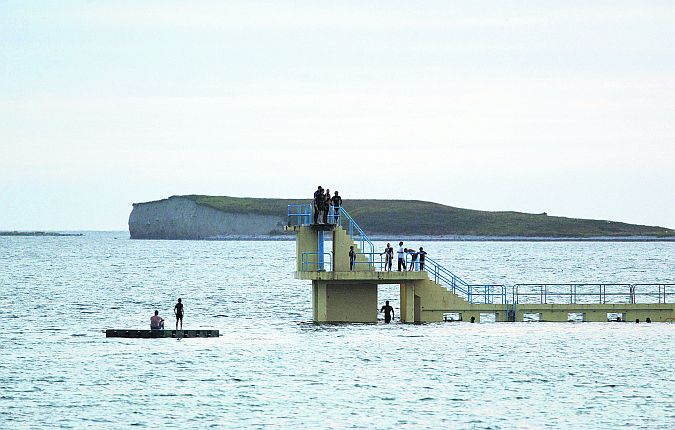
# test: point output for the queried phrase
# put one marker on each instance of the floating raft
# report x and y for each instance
(149, 334)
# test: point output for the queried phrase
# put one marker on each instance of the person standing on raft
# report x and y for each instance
(178, 311)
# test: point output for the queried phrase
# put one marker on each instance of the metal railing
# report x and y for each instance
(583, 293)
(303, 214)
(355, 232)
(374, 261)
(300, 214)
(663, 291)
(310, 264)
(488, 294)
(443, 276)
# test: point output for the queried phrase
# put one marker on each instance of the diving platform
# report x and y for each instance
(362, 276)
(152, 334)
(346, 291)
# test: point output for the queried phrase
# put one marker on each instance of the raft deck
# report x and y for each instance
(150, 334)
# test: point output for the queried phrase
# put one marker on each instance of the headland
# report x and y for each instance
(231, 218)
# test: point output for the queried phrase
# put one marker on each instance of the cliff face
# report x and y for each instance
(182, 218)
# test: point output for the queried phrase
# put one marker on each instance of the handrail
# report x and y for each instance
(489, 293)
(316, 266)
(371, 256)
(440, 275)
(362, 236)
(586, 293)
(300, 213)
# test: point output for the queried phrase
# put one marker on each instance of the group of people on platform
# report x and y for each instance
(401, 253)
(322, 206)
(389, 258)
(157, 322)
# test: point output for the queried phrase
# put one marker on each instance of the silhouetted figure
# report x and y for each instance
(413, 258)
(337, 203)
(648, 320)
(637, 320)
(388, 257)
(326, 206)
(422, 255)
(352, 258)
(178, 311)
(318, 203)
(388, 312)
(401, 256)
(156, 322)
(473, 319)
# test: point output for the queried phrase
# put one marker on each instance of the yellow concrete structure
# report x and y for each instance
(343, 295)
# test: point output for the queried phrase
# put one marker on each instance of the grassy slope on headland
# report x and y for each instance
(413, 217)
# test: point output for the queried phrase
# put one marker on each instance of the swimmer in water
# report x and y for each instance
(388, 312)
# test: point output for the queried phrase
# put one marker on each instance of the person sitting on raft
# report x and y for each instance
(156, 322)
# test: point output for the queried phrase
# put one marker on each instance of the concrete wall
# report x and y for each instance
(351, 302)
(341, 243)
(181, 218)
(306, 240)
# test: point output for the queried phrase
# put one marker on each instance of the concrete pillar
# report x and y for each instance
(408, 302)
(319, 301)
(321, 265)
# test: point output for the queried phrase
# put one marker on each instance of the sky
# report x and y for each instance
(564, 107)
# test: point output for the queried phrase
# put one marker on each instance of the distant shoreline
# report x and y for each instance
(39, 233)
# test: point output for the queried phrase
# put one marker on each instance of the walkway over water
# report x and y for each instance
(431, 292)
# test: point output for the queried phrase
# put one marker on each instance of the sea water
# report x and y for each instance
(272, 368)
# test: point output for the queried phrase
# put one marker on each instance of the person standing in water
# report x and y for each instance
(388, 312)
(178, 311)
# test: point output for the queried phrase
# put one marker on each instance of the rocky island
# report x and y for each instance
(221, 217)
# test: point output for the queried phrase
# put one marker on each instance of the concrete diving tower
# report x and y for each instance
(343, 295)
(433, 293)
(338, 293)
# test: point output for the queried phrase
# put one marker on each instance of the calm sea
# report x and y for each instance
(271, 368)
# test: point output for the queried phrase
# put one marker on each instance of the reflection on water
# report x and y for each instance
(271, 367)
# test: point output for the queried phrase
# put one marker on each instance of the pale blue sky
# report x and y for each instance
(561, 107)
